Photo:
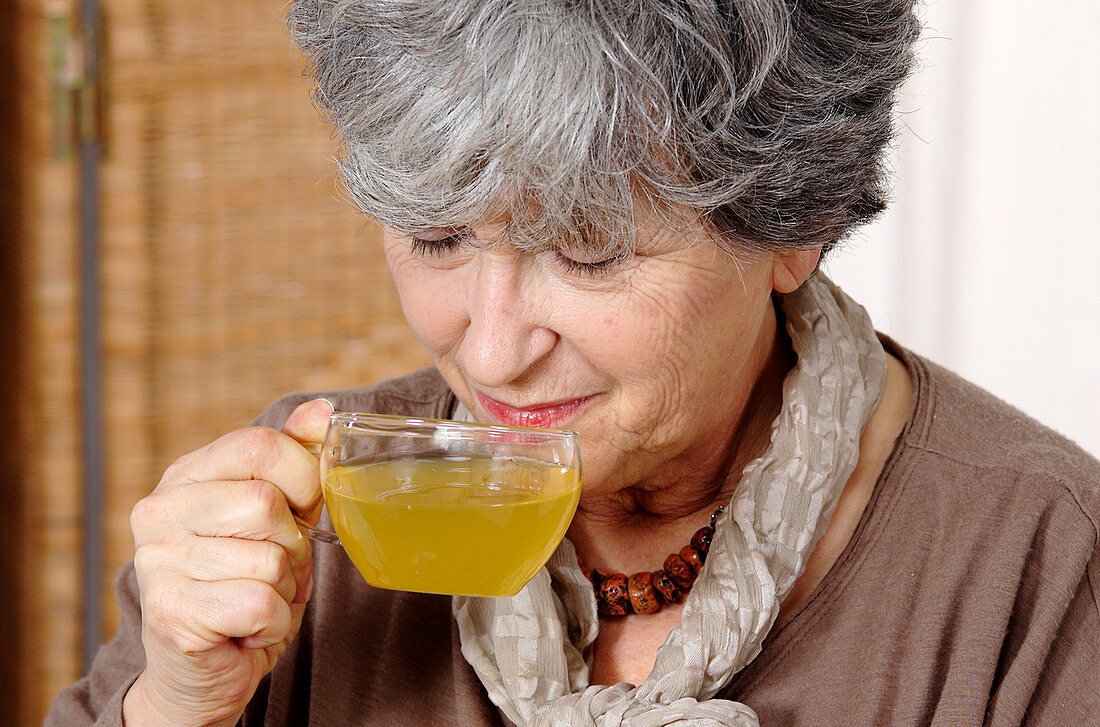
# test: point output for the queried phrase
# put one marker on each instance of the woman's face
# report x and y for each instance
(649, 360)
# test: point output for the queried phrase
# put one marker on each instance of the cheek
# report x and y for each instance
(671, 349)
(635, 337)
(431, 303)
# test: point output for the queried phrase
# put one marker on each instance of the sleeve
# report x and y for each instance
(1068, 692)
(97, 698)
(1050, 675)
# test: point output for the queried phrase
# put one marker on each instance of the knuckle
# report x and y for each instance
(146, 561)
(160, 604)
(265, 500)
(174, 472)
(139, 514)
(258, 447)
(146, 513)
(274, 566)
(263, 604)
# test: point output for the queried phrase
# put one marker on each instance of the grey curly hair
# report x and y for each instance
(768, 119)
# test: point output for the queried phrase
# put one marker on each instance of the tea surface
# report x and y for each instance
(458, 525)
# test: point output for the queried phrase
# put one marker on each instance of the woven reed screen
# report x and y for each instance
(231, 273)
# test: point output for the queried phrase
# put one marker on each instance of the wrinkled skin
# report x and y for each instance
(224, 570)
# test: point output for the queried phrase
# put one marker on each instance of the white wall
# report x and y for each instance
(989, 259)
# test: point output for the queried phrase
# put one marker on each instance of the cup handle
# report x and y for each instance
(323, 536)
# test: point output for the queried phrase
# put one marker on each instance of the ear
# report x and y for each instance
(790, 268)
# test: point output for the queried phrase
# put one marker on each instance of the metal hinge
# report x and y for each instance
(74, 83)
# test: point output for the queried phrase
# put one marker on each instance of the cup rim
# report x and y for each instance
(425, 426)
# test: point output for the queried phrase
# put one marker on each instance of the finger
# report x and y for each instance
(309, 422)
(195, 616)
(222, 559)
(255, 453)
(297, 613)
(244, 609)
(249, 510)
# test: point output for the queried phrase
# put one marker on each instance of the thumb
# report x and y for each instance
(309, 422)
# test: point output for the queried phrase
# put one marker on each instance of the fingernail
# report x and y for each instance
(331, 406)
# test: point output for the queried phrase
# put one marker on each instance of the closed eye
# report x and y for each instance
(585, 267)
(436, 247)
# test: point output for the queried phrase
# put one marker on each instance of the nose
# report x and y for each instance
(507, 334)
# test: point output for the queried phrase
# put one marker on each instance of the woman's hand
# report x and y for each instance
(224, 570)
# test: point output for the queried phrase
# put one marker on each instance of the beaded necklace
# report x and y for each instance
(646, 592)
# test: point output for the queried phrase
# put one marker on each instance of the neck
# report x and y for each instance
(636, 525)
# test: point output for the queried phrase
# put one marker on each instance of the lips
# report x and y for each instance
(541, 416)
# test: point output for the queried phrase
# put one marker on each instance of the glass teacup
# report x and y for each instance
(440, 506)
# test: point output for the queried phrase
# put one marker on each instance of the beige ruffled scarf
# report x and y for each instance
(530, 650)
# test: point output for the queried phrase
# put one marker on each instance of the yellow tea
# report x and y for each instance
(474, 526)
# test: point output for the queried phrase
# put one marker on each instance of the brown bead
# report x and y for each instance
(701, 541)
(599, 575)
(692, 557)
(666, 587)
(614, 600)
(643, 596)
(584, 569)
(680, 572)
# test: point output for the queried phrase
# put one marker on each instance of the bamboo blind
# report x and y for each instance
(231, 273)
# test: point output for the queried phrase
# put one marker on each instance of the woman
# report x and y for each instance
(607, 217)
